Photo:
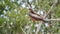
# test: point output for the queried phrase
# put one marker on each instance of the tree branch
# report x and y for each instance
(39, 26)
(52, 19)
(51, 9)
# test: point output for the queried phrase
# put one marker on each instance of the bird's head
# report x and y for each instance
(30, 9)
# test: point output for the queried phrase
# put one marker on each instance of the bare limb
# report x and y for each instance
(39, 26)
(29, 3)
(52, 19)
(22, 30)
(51, 9)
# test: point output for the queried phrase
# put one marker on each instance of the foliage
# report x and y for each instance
(15, 19)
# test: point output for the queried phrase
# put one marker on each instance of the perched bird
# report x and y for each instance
(34, 16)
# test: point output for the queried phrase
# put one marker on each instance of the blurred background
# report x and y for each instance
(14, 17)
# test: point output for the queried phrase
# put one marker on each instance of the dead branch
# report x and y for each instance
(39, 26)
(52, 19)
(51, 9)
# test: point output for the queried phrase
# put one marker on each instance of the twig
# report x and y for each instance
(52, 19)
(29, 3)
(50, 9)
(45, 17)
(22, 30)
(39, 26)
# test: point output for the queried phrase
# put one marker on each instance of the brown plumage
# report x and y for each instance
(34, 16)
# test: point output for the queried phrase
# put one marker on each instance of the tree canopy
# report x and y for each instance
(14, 16)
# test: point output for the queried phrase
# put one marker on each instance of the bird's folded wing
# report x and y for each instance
(35, 16)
